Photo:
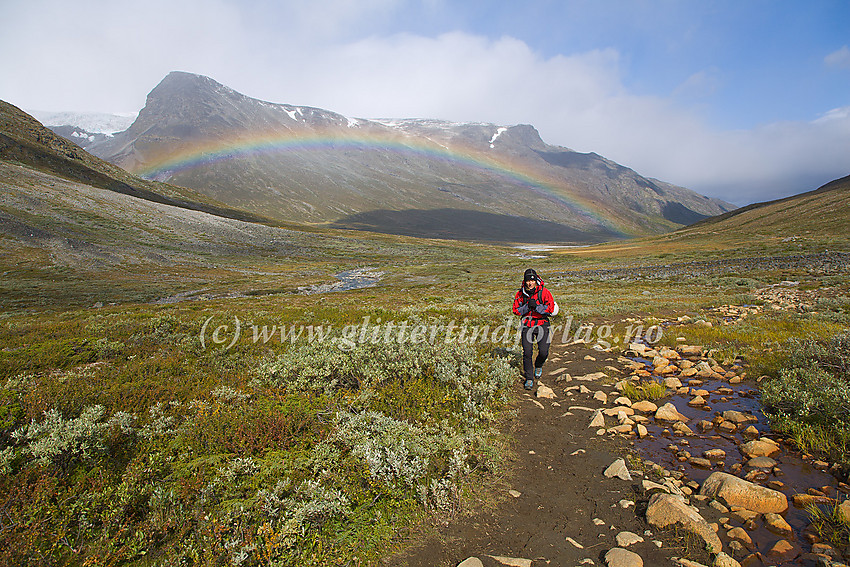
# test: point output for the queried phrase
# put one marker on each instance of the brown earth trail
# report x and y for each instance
(563, 493)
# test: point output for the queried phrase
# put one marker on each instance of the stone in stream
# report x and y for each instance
(750, 432)
(668, 509)
(619, 557)
(784, 551)
(704, 425)
(714, 454)
(739, 417)
(761, 463)
(740, 534)
(697, 401)
(763, 447)
(736, 491)
(777, 524)
(644, 406)
(668, 412)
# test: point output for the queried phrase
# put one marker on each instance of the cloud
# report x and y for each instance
(578, 101)
(840, 58)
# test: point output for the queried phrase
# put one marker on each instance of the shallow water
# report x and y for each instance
(797, 474)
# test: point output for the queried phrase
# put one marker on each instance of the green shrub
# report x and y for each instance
(810, 398)
(644, 391)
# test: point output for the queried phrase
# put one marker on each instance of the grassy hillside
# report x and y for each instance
(24, 140)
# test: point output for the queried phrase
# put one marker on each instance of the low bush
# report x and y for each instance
(810, 398)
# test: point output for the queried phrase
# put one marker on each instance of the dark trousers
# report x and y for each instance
(541, 335)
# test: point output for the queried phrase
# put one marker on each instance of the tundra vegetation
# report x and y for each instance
(128, 436)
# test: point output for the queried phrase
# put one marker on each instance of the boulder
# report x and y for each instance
(669, 509)
(736, 491)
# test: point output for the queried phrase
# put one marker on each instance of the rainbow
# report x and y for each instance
(187, 158)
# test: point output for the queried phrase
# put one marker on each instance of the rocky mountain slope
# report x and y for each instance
(419, 177)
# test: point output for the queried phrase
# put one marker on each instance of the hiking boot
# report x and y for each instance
(529, 384)
(538, 372)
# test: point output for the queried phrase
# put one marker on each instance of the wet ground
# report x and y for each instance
(796, 472)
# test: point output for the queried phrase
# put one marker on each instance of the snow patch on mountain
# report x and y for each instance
(91, 122)
(496, 135)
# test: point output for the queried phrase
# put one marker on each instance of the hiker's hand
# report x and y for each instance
(523, 310)
(542, 309)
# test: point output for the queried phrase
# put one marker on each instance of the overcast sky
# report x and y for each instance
(743, 100)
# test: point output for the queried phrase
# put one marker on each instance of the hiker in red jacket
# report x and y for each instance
(535, 304)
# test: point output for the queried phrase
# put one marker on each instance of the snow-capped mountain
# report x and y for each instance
(422, 177)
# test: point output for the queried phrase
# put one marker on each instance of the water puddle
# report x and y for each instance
(351, 279)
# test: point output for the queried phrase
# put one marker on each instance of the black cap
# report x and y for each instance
(530, 275)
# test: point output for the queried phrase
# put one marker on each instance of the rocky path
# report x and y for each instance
(572, 501)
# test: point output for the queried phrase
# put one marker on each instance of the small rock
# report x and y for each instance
(784, 550)
(777, 524)
(644, 406)
(515, 493)
(700, 462)
(724, 560)
(761, 463)
(546, 392)
(714, 454)
(668, 412)
(618, 469)
(625, 539)
(751, 432)
(598, 420)
(619, 557)
(740, 534)
(763, 447)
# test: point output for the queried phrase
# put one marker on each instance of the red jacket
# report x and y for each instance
(533, 318)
